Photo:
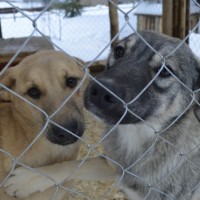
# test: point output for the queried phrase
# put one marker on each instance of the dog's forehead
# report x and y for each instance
(45, 72)
(152, 41)
(145, 45)
(55, 63)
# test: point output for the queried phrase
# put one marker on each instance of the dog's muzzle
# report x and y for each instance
(103, 97)
(66, 134)
(103, 102)
(108, 102)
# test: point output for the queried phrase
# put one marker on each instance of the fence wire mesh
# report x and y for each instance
(66, 35)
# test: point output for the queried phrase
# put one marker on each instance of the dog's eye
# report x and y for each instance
(164, 72)
(119, 52)
(71, 82)
(34, 93)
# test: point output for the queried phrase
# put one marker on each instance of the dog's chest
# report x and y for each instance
(147, 159)
(133, 137)
(124, 144)
(124, 147)
(131, 194)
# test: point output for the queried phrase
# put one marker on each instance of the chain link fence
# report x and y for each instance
(88, 38)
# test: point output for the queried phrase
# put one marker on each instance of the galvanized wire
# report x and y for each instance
(93, 148)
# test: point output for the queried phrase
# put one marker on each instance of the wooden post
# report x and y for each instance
(175, 18)
(1, 35)
(181, 12)
(167, 17)
(114, 24)
(187, 20)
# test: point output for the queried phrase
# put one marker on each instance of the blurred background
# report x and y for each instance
(84, 28)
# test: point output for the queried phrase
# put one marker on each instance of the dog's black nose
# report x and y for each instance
(102, 97)
(63, 135)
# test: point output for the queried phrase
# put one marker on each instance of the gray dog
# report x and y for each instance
(149, 92)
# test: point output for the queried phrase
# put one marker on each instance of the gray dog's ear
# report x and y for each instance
(197, 107)
(196, 110)
(8, 80)
(198, 62)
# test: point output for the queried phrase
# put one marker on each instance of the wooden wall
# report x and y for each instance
(153, 22)
(149, 22)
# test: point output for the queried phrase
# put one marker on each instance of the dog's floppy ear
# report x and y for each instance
(8, 80)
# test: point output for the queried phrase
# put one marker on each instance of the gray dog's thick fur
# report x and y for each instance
(159, 153)
(156, 142)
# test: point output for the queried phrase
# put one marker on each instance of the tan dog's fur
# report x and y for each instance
(20, 122)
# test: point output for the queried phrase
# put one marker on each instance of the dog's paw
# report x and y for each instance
(24, 182)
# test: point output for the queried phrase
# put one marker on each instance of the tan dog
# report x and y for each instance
(45, 79)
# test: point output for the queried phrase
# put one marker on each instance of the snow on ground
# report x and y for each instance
(83, 36)
(87, 35)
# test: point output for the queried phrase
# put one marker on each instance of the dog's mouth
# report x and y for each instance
(65, 134)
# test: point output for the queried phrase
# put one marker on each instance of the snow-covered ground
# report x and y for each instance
(83, 36)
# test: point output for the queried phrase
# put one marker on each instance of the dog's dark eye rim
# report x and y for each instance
(118, 52)
(71, 82)
(164, 73)
(34, 92)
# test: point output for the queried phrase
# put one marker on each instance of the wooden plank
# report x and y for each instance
(114, 24)
(14, 10)
(141, 24)
(8, 47)
(8, 10)
(167, 17)
(180, 18)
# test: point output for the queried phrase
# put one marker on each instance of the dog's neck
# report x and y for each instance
(135, 139)
(133, 136)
